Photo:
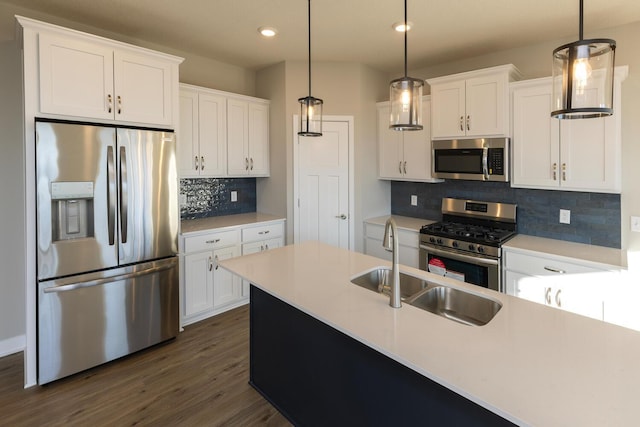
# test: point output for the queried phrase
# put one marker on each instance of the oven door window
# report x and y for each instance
(459, 270)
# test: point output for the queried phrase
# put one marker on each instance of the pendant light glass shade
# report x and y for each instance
(583, 78)
(405, 95)
(310, 107)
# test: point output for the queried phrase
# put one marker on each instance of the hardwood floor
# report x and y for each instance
(198, 379)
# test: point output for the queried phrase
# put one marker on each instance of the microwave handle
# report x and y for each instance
(485, 166)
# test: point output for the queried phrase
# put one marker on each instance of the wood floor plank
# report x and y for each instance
(198, 379)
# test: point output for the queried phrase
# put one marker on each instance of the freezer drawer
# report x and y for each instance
(84, 321)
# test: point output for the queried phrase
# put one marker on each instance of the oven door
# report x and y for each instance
(477, 270)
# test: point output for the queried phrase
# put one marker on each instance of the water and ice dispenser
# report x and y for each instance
(72, 210)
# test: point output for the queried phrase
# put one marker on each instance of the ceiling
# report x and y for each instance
(342, 30)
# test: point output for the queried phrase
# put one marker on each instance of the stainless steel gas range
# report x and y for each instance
(466, 244)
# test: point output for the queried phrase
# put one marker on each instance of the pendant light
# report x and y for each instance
(406, 96)
(310, 107)
(583, 77)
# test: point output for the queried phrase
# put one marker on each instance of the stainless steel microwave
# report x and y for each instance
(483, 159)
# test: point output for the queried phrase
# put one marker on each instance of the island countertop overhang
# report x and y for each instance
(531, 364)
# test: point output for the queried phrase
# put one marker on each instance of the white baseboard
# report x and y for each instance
(12, 345)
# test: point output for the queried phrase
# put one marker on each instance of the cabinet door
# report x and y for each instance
(486, 106)
(258, 139)
(417, 148)
(212, 125)
(198, 283)
(143, 88)
(76, 77)
(237, 137)
(390, 152)
(448, 110)
(536, 138)
(226, 285)
(528, 287)
(187, 140)
(590, 155)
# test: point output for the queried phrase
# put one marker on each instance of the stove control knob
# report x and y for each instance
(480, 249)
(454, 244)
(439, 241)
(471, 247)
(432, 239)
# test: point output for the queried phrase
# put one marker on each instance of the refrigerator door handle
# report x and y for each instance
(124, 195)
(111, 195)
(102, 281)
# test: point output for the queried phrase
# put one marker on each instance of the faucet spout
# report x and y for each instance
(390, 243)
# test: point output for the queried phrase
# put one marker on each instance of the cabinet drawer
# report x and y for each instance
(407, 238)
(261, 232)
(210, 241)
(541, 266)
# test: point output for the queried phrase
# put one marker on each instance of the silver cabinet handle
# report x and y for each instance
(468, 122)
(261, 248)
(555, 171)
(558, 301)
(195, 162)
(266, 246)
(405, 167)
(216, 261)
(461, 123)
(212, 241)
(554, 270)
(264, 232)
(210, 264)
(547, 295)
(252, 163)
(341, 216)
(110, 102)
(119, 104)
(400, 167)
(246, 163)
(201, 162)
(564, 171)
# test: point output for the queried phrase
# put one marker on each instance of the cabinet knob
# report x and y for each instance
(341, 216)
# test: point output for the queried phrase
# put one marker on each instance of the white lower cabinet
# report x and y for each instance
(207, 289)
(408, 244)
(545, 279)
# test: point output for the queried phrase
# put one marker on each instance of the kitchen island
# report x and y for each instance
(531, 364)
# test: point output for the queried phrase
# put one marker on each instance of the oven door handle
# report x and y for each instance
(462, 257)
(485, 163)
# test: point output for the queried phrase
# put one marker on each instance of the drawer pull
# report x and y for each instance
(213, 241)
(547, 295)
(264, 232)
(216, 261)
(210, 264)
(554, 270)
(558, 301)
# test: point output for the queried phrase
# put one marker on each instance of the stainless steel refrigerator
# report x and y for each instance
(107, 239)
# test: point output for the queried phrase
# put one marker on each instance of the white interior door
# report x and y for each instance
(322, 168)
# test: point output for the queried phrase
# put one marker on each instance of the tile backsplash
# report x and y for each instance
(212, 196)
(595, 217)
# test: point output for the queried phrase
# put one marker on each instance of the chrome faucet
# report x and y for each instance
(390, 243)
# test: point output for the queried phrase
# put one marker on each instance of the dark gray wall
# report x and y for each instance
(212, 196)
(595, 217)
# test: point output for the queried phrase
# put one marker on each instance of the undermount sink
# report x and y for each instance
(454, 304)
(450, 303)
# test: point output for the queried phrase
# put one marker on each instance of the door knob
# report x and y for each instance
(342, 216)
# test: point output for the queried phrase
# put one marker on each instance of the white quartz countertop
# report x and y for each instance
(533, 365)
(405, 222)
(607, 258)
(194, 226)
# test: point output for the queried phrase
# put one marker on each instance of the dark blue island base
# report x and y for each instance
(317, 376)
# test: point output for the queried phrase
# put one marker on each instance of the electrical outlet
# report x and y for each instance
(183, 199)
(635, 223)
(565, 216)
(414, 200)
(234, 196)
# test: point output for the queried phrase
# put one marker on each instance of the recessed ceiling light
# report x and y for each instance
(268, 31)
(399, 26)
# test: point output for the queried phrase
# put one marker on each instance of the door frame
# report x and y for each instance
(296, 181)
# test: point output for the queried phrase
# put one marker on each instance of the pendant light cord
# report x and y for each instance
(406, 30)
(581, 34)
(309, 16)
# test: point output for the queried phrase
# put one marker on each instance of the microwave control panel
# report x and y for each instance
(496, 161)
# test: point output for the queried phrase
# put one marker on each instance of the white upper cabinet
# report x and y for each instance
(575, 155)
(202, 142)
(247, 137)
(472, 104)
(88, 77)
(404, 156)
